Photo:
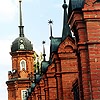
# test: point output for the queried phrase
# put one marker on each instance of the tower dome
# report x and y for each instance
(21, 43)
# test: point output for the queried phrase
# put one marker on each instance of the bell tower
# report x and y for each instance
(22, 65)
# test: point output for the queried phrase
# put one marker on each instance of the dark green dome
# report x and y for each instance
(21, 43)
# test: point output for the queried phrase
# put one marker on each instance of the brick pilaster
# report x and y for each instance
(58, 79)
(92, 19)
(46, 89)
(79, 27)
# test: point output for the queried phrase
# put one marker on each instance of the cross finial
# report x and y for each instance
(64, 1)
(66, 30)
(43, 42)
(21, 30)
(50, 22)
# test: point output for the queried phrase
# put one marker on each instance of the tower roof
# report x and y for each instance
(75, 4)
(66, 29)
(21, 43)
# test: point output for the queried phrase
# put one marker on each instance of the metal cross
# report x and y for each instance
(50, 21)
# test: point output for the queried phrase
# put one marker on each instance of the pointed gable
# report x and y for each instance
(66, 29)
(67, 46)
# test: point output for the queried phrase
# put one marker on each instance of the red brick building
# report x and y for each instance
(22, 65)
(72, 72)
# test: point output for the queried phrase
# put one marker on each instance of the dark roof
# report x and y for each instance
(54, 44)
(38, 78)
(75, 4)
(21, 43)
(66, 29)
(98, 0)
(29, 91)
(33, 86)
(44, 66)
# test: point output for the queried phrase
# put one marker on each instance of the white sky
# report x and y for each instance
(36, 14)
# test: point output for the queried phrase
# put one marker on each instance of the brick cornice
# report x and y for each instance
(91, 4)
(63, 72)
(21, 52)
(66, 56)
(18, 80)
(84, 45)
(91, 15)
(91, 42)
(75, 16)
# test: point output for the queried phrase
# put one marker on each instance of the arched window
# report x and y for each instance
(22, 65)
(24, 94)
(21, 46)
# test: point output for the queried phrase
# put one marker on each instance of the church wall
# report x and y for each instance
(76, 62)
(86, 25)
(68, 67)
(92, 18)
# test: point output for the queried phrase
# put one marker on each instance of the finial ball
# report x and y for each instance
(64, 6)
(43, 42)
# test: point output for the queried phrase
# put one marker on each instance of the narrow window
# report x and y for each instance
(75, 90)
(22, 65)
(24, 94)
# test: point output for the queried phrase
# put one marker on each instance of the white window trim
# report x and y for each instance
(22, 95)
(21, 67)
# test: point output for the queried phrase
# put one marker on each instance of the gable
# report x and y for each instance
(67, 46)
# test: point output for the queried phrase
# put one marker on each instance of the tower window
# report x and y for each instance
(21, 46)
(22, 65)
(24, 94)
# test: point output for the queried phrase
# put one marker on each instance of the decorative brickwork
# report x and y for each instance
(73, 70)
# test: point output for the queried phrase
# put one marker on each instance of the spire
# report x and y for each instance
(64, 1)
(66, 29)
(50, 23)
(21, 30)
(44, 51)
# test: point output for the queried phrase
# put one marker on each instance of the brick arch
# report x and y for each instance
(67, 46)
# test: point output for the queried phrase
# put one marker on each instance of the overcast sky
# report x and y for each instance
(36, 14)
